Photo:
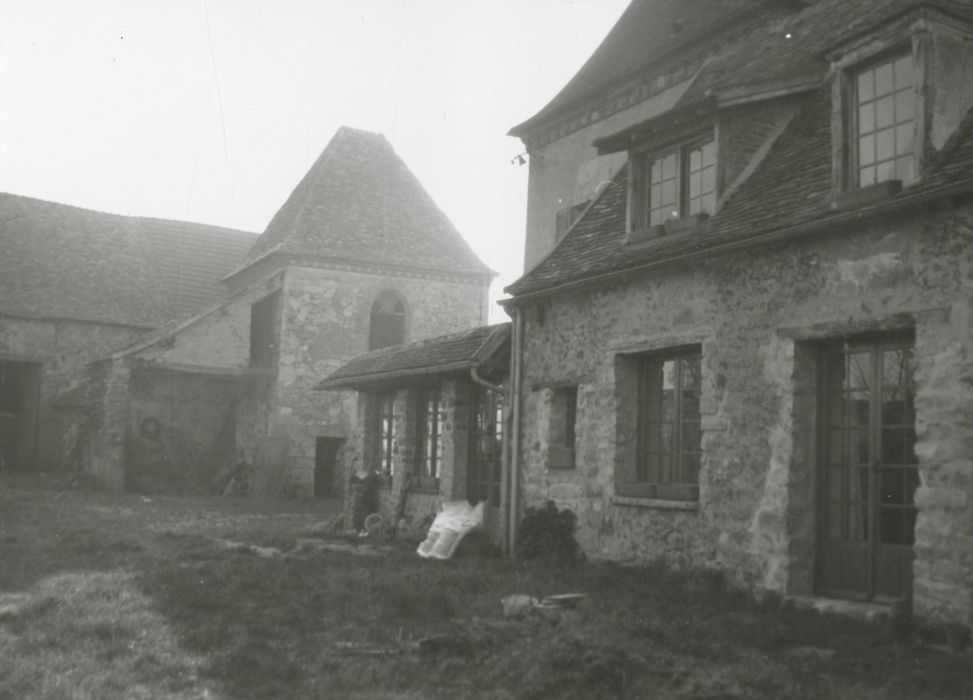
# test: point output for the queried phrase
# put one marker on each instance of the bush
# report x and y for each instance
(546, 531)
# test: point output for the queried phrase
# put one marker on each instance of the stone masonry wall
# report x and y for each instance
(325, 323)
(63, 348)
(756, 316)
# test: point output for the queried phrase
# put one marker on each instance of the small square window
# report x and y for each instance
(673, 184)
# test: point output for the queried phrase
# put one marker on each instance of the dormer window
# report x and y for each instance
(673, 184)
(885, 119)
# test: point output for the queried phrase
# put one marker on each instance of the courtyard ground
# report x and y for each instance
(105, 596)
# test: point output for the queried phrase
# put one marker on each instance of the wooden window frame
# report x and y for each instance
(427, 465)
(851, 97)
(385, 434)
(562, 434)
(640, 181)
(659, 485)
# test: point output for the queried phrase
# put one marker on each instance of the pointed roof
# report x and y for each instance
(360, 203)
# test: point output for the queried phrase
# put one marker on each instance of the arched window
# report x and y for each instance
(387, 322)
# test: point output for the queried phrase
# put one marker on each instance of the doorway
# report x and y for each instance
(326, 466)
(486, 451)
(19, 393)
(868, 469)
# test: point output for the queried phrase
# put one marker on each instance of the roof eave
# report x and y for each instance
(367, 380)
(965, 187)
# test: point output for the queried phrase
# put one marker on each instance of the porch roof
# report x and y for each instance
(441, 355)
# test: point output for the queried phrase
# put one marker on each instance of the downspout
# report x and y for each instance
(516, 363)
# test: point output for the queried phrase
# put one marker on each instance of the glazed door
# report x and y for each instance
(868, 470)
(486, 449)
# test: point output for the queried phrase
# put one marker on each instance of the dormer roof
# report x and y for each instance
(359, 202)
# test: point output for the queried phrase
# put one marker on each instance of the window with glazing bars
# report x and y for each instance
(675, 184)
(885, 106)
(668, 419)
(386, 434)
(429, 433)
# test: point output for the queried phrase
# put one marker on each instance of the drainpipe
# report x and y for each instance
(516, 362)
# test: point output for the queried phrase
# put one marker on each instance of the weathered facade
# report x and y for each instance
(761, 321)
(430, 426)
(359, 257)
(76, 285)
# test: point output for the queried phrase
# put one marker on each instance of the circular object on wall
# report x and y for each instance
(150, 428)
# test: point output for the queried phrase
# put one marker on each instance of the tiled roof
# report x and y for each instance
(59, 261)
(790, 187)
(647, 31)
(446, 353)
(359, 202)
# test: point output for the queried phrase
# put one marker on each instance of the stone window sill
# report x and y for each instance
(656, 503)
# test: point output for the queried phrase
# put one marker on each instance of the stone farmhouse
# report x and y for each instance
(359, 257)
(744, 339)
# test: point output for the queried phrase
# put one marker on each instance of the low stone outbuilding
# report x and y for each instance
(756, 327)
(76, 285)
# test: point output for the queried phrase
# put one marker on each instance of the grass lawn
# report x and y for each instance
(119, 597)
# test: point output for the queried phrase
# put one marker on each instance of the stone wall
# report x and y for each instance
(63, 348)
(325, 322)
(757, 316)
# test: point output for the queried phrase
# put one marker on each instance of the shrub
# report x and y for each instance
(547, 531)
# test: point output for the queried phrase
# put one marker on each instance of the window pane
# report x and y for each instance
(891, 485)
(668, 193)
(885, 171)
(695, 183)
(669, 166)
(695, 159)
(866, 150)
(709, 178)
(656, 172)
(885, 144)
(859, 371)
(866, 86)
(883, 80)
(866, 176)
(709, 153)
(884, 112)
(866, 118)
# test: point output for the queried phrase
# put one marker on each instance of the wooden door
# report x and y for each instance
(486, 450)
(868, 469)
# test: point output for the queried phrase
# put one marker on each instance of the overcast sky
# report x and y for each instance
(212, 111)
